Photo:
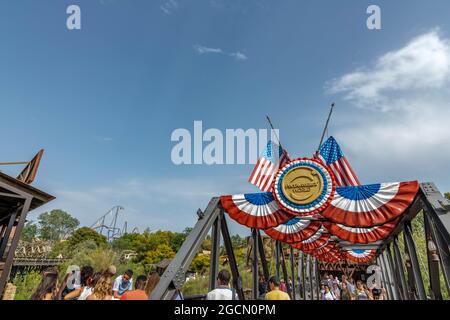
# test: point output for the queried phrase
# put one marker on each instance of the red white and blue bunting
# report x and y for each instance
(333, 255)
(327, 247)
(257, 210)
(319, 239)
(355, 214)
(360, 256)
(295, 230)
(361, 235)
(371, 205)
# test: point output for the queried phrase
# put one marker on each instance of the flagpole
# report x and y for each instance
(326, 127)
(274, 132)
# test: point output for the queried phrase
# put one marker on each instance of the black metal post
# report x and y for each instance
(302, 274)
(7, 234)
(215, 252)
(316, 268)
(313, 277)
(309, 266)
(292, 272)
(401, 272)
(255, 292)
(393, 273)
(277, 258)
(237, 281)
(383, 276)
(411, 285)
(285, 273)
(389, 276)
(433, 263)
(262, 256)
(442, 248)
(23, 209)
(415, 267)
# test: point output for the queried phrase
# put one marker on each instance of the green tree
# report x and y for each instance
(200, 264)
(162, 251)
(207, 243)
(237, 241)
(126, 242)
(88, 253)
(29, 231)
(85, 234)
(54, 225)
(26, 284)
(179, 238)
(447, 195)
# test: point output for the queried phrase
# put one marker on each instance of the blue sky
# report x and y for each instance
(104, 100)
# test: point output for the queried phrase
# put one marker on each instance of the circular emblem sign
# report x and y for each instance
(304, 187)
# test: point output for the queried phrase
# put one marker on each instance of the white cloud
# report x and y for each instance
(403, 132)
(207, 50)
(423, 64)
(415, 139)
(168, 6)
(239, 55)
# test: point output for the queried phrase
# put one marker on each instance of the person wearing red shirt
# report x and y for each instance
(138, 293)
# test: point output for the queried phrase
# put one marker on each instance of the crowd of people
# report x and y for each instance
(347, 288)
(102, 285)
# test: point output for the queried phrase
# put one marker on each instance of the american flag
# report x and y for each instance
(331, 154)
(273, 157)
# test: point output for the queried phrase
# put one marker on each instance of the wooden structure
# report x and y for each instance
(17, 198)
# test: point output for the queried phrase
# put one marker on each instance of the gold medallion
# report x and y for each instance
(302, 185)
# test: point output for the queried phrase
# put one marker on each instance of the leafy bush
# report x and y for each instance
(88, 253)
(161, 252)
(26, 284)
(85, 234)
(199, 285)
(200, 264)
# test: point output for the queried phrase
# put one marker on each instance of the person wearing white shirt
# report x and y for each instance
(223, 291)
(329, 295)
(122, 284)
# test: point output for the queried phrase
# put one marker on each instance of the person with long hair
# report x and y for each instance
(86, 274)
(328, 295)
(102, 289)
(361, 292)
(336, 291)
(345, 292)
(47, 289)
(322, 290)
(153, 280)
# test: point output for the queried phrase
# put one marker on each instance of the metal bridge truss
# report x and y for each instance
(402, 279)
